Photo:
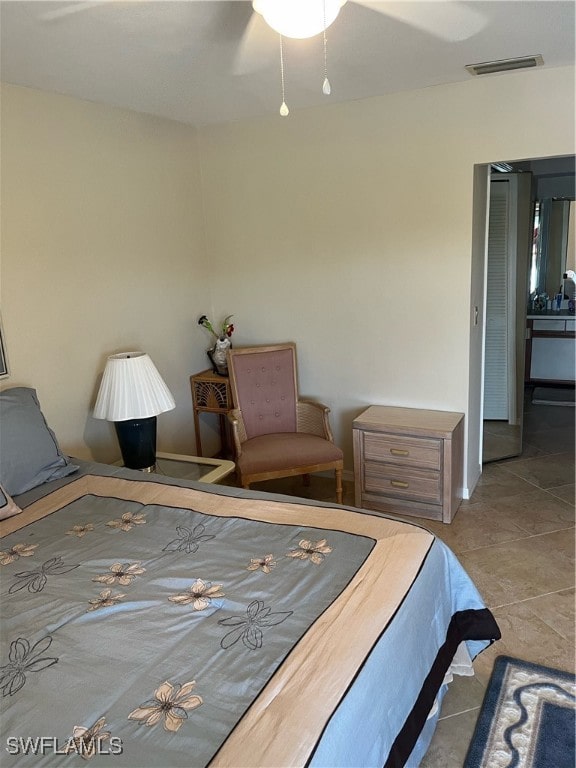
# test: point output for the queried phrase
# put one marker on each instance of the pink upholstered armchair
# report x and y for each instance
(275, 433)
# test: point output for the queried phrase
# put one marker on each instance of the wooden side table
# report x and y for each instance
(210, 394)
(184, 467)
(409, 461)
(193, 467)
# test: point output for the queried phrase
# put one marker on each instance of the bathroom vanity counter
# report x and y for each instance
(550, 313)
(551, 347)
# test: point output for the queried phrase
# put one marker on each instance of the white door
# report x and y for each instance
(499, 370)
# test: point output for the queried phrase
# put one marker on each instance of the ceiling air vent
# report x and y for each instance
(505, 65)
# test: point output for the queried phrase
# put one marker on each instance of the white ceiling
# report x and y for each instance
(181, 58)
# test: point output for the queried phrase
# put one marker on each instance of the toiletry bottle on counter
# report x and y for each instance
(569, 290)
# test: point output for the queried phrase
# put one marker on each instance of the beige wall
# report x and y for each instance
(102, 251)
(347, 229)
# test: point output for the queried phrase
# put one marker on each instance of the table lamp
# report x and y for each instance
(132, 394)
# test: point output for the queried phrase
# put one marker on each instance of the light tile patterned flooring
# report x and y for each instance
(515, 537)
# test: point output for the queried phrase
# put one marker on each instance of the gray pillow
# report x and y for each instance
(29, 451)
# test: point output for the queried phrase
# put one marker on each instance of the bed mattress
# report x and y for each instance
(149, 624)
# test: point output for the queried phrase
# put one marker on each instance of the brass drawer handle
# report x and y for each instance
(398, 484)
(398, 452)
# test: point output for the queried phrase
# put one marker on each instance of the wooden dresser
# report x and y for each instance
(409, 461)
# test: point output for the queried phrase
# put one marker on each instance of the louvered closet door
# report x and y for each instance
(497, 342)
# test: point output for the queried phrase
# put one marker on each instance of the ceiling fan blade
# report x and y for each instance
(70, 8)
(258, 47)
(449, 20)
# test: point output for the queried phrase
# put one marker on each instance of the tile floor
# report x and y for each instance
(515, 537)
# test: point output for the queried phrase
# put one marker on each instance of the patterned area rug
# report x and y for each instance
(527, 720)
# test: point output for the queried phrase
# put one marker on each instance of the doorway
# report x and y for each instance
(510, 252)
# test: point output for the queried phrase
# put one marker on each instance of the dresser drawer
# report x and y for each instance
(402, 482)
(403, 451)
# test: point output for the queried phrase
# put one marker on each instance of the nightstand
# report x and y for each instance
(409, 461)
(193, 467)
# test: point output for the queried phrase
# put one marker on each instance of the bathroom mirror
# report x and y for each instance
(553, 245)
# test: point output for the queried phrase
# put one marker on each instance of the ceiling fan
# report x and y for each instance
(449, 20)
(273, 20)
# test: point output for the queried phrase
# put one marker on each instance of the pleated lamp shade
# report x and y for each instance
(132, 388)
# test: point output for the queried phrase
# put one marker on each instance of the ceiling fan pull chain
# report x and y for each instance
(283, 107)
(326, 90)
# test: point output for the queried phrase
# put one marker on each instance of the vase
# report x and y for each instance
(217, 355)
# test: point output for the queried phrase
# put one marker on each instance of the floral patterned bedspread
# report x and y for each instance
(149, 625)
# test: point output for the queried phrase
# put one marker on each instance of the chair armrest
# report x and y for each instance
(238, 429)
(312, 418)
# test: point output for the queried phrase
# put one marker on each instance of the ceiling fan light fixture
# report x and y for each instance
(298, 18)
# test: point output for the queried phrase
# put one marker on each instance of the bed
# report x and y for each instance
(152, 622)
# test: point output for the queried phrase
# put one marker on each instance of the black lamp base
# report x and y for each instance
(137, 438)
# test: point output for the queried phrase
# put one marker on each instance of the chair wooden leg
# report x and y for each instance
(338, 486)
(306, 480)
